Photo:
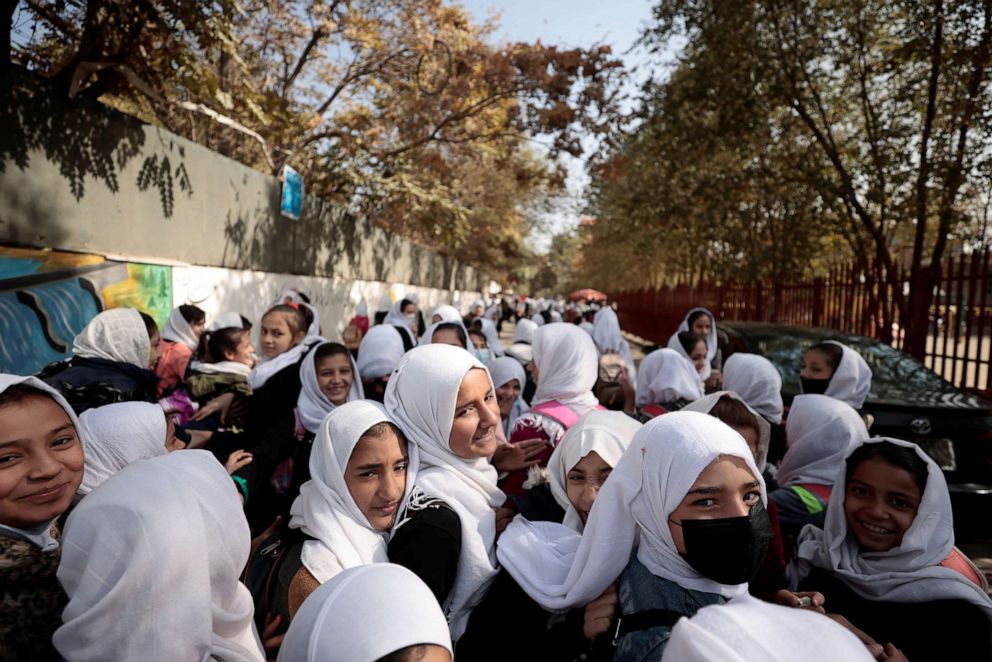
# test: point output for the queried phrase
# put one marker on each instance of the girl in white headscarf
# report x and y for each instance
(42, 445)
(820, 430)
(452, 333)
(509, 379)
(445, 314)
(688, 497)
(836, 370)
(362, 473)
(378, 355)
(109, 363)
(151, 564)
(365, 614)
(492, 335)
(565, 367)
(702, 323)
(608, 338)
(757, 381)
(523, 339)
(666, 382)
(880, 557)
(119, 434)
(444, 401)
(180, 338)
(403, 315)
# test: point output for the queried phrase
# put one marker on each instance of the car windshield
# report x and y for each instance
(895, 376)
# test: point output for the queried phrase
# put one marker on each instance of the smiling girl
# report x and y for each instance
(444, 401)
(41, 467)
(879, 559)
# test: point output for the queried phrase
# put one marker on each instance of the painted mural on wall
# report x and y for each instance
(47, 297)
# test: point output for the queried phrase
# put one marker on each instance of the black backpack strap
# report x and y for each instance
(642, 620)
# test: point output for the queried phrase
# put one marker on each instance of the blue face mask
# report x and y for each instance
(482, 355)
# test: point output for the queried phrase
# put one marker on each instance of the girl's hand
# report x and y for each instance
(517, 456)
(236, 460)
(270, 640)
(219, 404)
(600, 613)
(873, 646)
(503, 518)
(893, 654)
(811, 600)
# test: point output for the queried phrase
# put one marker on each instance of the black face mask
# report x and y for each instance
(814, 385)
(730, 550)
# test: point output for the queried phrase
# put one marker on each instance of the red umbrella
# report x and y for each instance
(588, 294)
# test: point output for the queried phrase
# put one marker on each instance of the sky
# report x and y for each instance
(571, 23)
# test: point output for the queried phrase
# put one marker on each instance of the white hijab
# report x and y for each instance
(910, 572)
(705, 405)
(395, 317)
(227, 321)
(567, 367)
(492, 336)
(379, 352)
(561, 569)
(757, 381)
(538, 319)
(607, 433)
(428, 337)
(312, 405)
(364, 614)
(421, 397)
(313, 331)
(711, 341)
(524, 332)
(117, 435)
(666, 376)
(325, 509)
(41, 536)
(117, 334)
(221, 367)
(608, 338)
(747, 629)
(819, 430)
(151, 563)
(177, 329)
(851, 381)
(447, 314)
(503, 370)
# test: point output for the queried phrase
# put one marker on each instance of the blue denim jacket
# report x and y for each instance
(640, 590)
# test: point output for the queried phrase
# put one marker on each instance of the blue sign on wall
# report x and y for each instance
(291, 205)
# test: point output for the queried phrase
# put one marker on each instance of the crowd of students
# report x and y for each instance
(418, 491)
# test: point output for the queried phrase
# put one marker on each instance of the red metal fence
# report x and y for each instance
(959, 334)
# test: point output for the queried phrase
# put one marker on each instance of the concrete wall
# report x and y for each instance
(81, 177)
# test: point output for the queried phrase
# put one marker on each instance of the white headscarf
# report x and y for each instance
(177, 329)
(395, 317)
(851, 381)
(524, 332)
(819, 430)
(117, 435)
(666, 376)
(313, 331)
(711, 340)
(379, 352)
(910, 572)
(364, 614)
(567, 367)
(325, 509)
(151, 563)
(362, 309)
(221, 367)
(757, 380)
(41, 536)
(608, 338)
(561, 569)
(428, 337)
(312, 405)
(421, 399)
(492, 336)
(267, 368)
(227, 321)
(503, 370)
(747, 629)
(705, 405)
(117, 334)
(447, 314)
(607, 433)
(538, 319)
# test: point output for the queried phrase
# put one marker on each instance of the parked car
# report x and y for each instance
(907, 401)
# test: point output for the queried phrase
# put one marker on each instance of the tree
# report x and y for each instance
(383, 105)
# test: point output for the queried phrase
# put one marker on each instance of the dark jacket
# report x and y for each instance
(87, 383)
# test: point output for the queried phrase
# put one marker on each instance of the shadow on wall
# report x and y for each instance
(46, 298)
(84, 139)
